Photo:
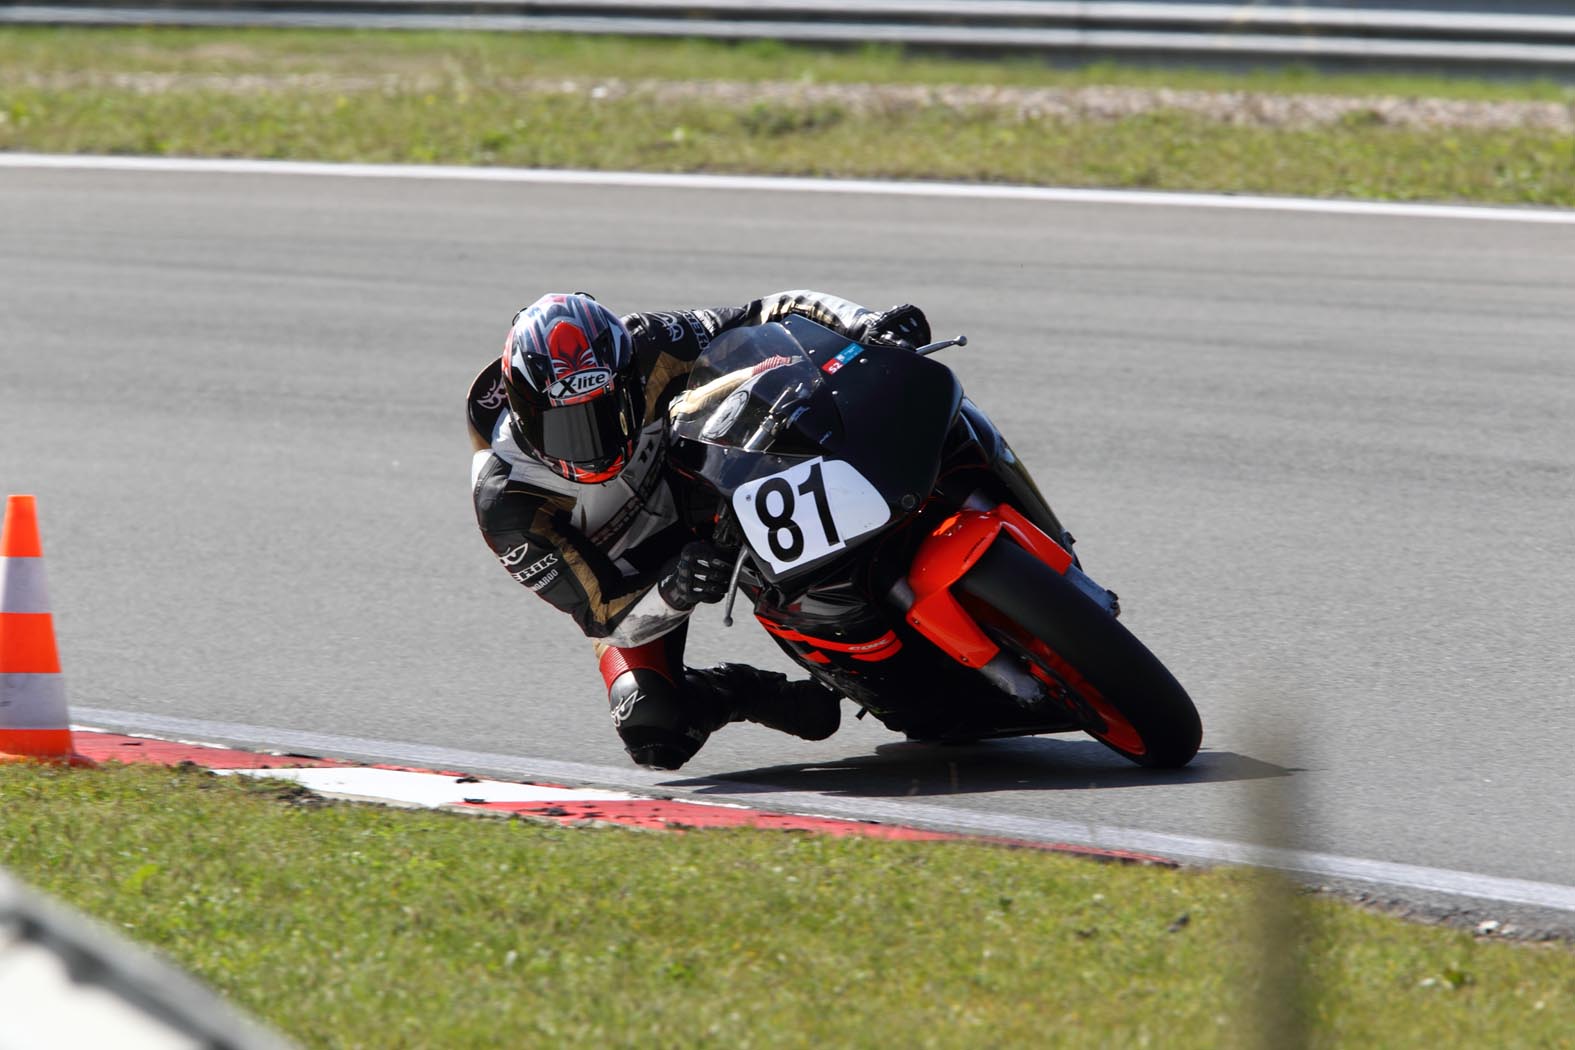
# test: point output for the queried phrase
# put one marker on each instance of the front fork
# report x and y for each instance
(945, 557)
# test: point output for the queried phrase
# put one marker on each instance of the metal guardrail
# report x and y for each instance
(1450, 33)
(69, 981)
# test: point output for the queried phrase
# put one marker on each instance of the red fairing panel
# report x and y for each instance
(947, 555)
(882, 648)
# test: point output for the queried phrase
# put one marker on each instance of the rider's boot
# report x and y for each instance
(740, 693)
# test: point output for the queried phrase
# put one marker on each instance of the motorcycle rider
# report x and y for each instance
(572, 494)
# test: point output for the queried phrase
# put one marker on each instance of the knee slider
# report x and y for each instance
(657, 728)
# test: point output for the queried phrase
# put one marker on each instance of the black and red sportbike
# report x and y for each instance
(898, 551)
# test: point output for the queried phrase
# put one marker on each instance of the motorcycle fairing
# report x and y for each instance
(945, 557)
(883, 647)
(906, 405)
(884, 407)
(821, 505)
(1017, 486)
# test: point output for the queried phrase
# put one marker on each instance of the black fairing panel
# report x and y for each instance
(1020, 489)
(897, 408)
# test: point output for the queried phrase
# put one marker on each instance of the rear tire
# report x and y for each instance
(1120, 692)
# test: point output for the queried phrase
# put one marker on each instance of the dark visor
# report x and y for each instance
(588, 434)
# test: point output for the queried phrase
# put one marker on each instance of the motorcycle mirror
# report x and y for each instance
(924, 351)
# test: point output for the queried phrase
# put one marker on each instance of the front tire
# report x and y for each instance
(1119, 691)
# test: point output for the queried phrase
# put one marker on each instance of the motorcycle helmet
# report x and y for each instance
(575, 397)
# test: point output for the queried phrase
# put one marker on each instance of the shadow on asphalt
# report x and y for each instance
(1031, 763)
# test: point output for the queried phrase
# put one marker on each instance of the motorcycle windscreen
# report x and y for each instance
(737, 380)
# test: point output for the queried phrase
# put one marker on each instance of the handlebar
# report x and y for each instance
(776, 418)
(930, 348)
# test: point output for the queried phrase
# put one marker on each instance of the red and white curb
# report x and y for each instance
(457, 791)
(867, 816)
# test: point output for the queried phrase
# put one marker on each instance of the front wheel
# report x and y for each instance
(1088, 662)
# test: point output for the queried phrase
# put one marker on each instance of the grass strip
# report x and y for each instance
(477, 99)
(503, 55)
(359, 926)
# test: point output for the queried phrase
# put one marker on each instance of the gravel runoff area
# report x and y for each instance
(1241, 108)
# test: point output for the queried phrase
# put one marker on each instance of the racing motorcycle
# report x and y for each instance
(898, 551)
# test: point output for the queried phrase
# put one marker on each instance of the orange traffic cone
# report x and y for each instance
(33, 719)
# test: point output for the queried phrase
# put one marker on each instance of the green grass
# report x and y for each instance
(1165, 150)
(352, 926)
(491, 55)
(461, 99)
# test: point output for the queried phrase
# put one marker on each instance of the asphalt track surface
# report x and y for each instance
(1327, 460)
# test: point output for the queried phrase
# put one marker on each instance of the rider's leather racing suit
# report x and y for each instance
(596, 551)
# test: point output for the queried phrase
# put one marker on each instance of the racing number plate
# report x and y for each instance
(808, 511)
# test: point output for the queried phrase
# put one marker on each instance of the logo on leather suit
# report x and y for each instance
(515, 556)
(495, 397)
(625, 707)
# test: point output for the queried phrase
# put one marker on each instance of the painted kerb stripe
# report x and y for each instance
(775, 184)
(1183, 847)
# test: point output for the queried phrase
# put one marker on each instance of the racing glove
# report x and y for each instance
(699, 574)
(903, 325)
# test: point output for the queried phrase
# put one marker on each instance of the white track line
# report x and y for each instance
(939, 818)
(769, 184)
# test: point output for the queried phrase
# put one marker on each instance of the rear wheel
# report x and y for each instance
(1088, 662)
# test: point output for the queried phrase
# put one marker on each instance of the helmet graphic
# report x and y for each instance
(574, 396)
